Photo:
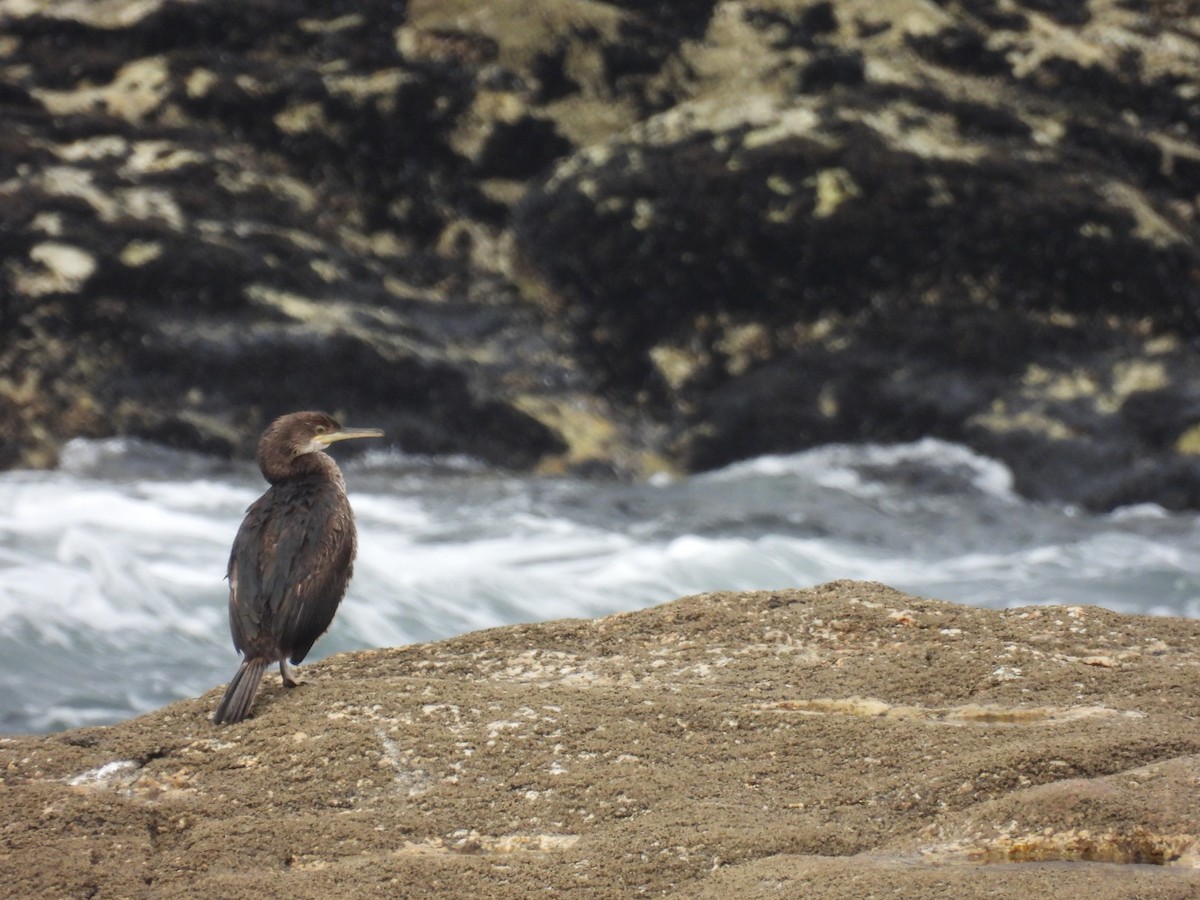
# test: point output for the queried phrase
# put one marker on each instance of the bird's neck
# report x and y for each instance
(306, 465)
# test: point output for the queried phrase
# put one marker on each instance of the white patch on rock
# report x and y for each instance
(107, 775)
(61, 268)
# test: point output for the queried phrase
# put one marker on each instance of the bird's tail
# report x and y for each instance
(239, 696)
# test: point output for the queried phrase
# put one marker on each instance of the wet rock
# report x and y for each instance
(917, 250)
(728, 229)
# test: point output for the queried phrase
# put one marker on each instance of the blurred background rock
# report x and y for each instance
(605, 238)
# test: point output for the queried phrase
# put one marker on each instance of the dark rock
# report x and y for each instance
(960, 47)
(586, 237)
(795, 27)
(1065, 12)
(831, 68)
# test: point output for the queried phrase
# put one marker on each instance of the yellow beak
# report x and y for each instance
(347, 434)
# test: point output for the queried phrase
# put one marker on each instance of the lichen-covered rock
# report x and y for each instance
(579, 236)
(840, 742)
(869, 226)
(216, 212)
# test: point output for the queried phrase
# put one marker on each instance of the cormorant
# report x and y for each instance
(292, 557)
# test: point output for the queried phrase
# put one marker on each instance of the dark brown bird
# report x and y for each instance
(292, 557)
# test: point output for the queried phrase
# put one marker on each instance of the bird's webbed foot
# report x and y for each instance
(288, 674)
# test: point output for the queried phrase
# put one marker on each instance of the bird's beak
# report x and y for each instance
(346, 434)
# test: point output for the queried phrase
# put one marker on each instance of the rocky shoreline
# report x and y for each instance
(842, 741)
(575, 237)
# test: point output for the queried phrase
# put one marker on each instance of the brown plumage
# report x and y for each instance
(292, 557)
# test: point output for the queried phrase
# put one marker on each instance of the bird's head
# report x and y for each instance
(291, 437)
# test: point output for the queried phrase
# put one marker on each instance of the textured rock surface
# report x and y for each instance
(845, 741)
(569, 234)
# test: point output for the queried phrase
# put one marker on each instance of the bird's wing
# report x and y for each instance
(252, 545)
(317, 587)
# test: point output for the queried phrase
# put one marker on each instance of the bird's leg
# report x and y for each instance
(288, 674)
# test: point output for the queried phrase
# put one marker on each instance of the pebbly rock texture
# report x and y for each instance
(576, 236)
(840, 742)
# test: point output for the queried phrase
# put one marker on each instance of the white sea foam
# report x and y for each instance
(1139, 511)
(841, 466)
(112, 591)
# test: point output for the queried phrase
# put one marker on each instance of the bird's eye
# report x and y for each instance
(321, 429)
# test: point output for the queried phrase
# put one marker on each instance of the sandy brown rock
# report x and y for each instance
(843, 741)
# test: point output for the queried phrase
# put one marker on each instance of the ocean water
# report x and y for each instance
(112, 591)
